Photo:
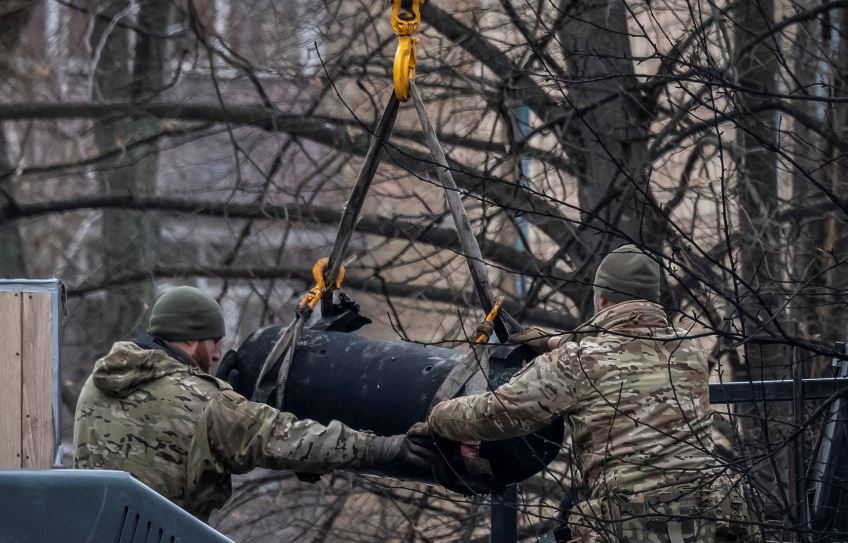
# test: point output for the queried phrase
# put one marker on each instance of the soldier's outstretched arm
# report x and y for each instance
(531, 400)
(243, 435)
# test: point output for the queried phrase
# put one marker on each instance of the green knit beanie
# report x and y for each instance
(628, 274)
(186, 313)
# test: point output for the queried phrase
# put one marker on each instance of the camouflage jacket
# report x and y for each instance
(155, 414)
(634, 391)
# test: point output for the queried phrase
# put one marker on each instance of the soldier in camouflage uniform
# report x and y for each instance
(150, 408)
(635, 393)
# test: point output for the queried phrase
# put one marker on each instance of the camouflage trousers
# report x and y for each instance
(671, 516)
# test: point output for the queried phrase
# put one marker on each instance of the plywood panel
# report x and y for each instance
(10, 380)
(37, 381)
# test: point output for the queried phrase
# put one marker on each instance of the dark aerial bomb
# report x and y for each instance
(386, 387)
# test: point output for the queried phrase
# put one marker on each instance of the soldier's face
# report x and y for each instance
(208, 354)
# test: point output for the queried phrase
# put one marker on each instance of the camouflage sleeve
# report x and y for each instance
(244, 434)
(531, 400)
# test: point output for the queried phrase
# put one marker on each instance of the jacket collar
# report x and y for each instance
(624, 317)
(155, 343)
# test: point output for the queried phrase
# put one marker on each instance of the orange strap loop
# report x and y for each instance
(484, 331)
(311, 299)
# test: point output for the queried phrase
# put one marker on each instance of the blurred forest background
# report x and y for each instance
(149, 143)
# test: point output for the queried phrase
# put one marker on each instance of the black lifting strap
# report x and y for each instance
(353, 208)
(504, 322)
(476, 360)
(285, 345)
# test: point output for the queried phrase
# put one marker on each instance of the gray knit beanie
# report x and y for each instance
(186, 313)
(627, 273)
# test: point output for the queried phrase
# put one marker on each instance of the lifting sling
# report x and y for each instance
(328, 273)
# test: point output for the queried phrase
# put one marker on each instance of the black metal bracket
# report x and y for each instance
(775, 391)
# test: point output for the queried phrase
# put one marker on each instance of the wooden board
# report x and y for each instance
(10, 379)
(36, 381)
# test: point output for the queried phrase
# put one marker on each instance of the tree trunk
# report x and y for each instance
(608, 141)
(12, 262)
(13, 18)
(760, 262)
(812, 243)
(835, 246)
(129, 238)
(808, 263)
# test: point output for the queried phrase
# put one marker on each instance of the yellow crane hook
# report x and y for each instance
(406, 21)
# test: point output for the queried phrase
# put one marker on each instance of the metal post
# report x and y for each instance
(799, 494)
(828, 472)
(504, 510)
(505, 516)
(775, 391)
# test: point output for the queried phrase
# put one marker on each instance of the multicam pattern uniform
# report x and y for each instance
(635, 393)
(183, 432)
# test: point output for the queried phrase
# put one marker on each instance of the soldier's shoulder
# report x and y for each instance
(190, 385)
(206, 381)
(597, 344)
(87, 392)
(567, 351)
(559, 364)
(232, 410)
(569, 347)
